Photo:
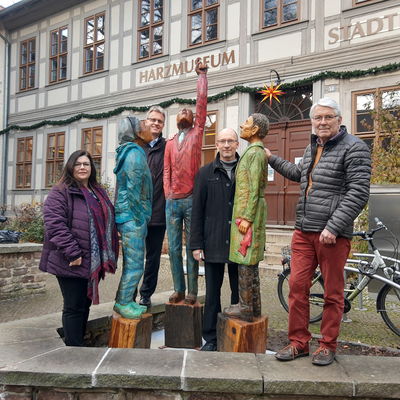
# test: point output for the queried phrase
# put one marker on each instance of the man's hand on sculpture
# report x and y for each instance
(267, 152)
(76, 262)
(244, 226)
(327, 237)
(198, 255)
(200, 67)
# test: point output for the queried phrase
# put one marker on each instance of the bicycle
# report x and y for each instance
(367, 265)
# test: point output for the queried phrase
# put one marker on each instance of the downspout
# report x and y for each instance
(6, 107)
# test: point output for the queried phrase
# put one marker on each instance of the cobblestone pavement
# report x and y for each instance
(365, 326)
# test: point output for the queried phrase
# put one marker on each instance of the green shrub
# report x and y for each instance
(28, 219)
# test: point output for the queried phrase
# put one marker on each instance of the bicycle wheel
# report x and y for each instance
(388, 305)
(316, 294)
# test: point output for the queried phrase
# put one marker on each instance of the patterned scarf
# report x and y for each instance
(103, 239)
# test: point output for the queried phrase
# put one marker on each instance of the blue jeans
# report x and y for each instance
(178, 214)
(133, 239)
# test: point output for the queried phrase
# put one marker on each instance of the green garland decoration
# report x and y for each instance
(211, 99)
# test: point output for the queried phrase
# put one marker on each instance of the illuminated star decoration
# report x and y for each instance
(271, 92)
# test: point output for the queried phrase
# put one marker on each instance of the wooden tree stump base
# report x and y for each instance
(131, 333)
(183, 324)
(235, 335)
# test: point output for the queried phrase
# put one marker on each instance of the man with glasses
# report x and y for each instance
(334, 177)
(156, 227)
(181, 162)
(213, 195)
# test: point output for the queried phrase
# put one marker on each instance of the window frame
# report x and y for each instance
(95, 44)
(55, 160)
(207, 147)
(58, 55)
(26, 163)
(150, 27)
(375, 134)
(203, 11)
(97, 157)
(27, 66)
(279, 15)
(365, 2)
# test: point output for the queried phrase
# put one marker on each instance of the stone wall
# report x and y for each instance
(19, 270)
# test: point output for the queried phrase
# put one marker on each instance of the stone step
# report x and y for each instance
(272, 259)
(276, 237)
(274, 248)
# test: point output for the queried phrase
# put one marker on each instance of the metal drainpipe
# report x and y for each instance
(6, 105)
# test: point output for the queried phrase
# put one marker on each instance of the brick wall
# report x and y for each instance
(19, 270)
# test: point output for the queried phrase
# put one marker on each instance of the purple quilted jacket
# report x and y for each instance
(67, 236)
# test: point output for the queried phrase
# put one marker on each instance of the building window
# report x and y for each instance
(94, 44)
(276, 13)
(92, 141)
(27, 60)
(24, 162)
(203, 21)
(210, 131)
(151, 27)
(55, 157)
(372, 109)
(58, 54)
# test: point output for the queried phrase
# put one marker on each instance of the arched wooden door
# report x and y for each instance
(287, 140)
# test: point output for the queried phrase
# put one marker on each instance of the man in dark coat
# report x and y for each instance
(334, 177)
(213, 195)
(156, 227)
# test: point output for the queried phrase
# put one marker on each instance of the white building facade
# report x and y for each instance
(94, 57)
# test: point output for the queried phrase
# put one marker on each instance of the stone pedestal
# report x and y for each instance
(130, 333)
(235, 335)
(183, 324)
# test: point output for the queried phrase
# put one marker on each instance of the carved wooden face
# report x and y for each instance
(184, 119)
(248, 129)
(145, 131)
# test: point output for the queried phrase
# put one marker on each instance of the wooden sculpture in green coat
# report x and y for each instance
(248, 219)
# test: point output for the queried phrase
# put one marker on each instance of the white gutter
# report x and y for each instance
(6, 91)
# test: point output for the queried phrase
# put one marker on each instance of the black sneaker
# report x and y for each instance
(145, 301)
(209, 346)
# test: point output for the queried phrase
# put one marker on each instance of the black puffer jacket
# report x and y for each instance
(340, 184)
(155, 160)
(210, 226)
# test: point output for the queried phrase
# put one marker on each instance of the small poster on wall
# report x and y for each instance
(271, 174)
(297, 160)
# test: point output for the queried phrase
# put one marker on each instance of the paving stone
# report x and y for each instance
(222, 372)
(66, 367)
(11, 354)
(141, 368)
(300, 377)
(373, 376)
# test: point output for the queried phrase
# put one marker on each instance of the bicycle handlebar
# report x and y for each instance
(367, 235)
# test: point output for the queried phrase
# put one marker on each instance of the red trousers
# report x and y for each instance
(307, 254)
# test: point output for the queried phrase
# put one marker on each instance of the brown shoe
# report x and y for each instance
(290, 352)
(323, 356)
(176, 297)
(190, 299)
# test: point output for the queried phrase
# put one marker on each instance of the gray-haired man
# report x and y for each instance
(334, 177)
